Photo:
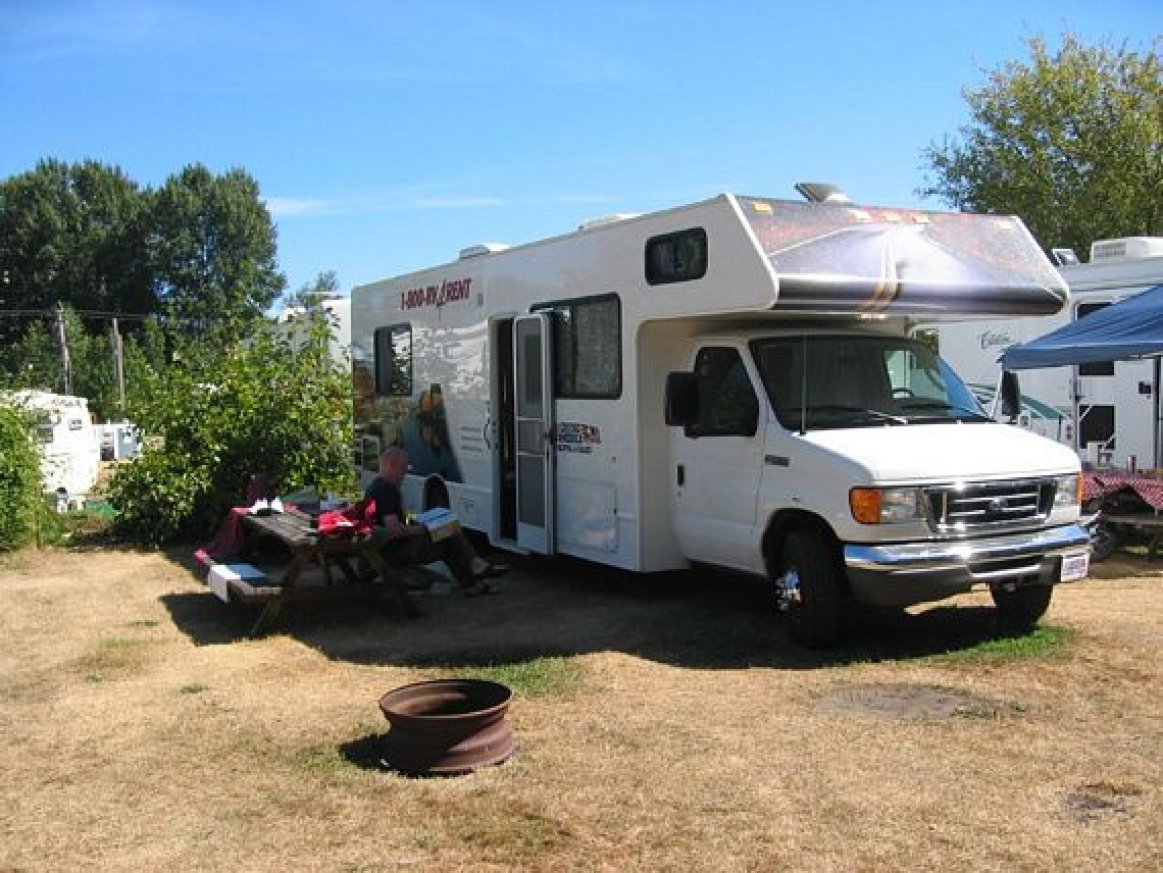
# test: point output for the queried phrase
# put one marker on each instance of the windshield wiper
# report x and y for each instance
(857, 410)
(940, 404)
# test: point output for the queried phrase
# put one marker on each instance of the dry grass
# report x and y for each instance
(679, 730)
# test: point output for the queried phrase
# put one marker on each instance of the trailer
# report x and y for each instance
(70, 443)
(731, 383)
(1104, 411)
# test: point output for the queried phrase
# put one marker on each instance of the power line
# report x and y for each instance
(87, 313)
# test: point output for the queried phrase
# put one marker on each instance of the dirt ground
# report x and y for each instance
(141, 729)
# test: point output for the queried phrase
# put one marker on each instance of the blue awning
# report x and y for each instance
(1131, 328)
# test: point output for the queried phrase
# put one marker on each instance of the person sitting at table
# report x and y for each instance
(403, 543)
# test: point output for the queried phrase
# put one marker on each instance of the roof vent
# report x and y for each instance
(822, 192)
(1129, 248)
(603, 220)
(481, 250)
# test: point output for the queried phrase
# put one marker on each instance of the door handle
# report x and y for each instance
(680, 472)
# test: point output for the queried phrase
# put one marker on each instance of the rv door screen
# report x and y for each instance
(534, 397)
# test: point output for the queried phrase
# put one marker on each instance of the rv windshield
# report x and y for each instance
(816, 382)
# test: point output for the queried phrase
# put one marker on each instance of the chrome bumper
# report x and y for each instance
(899, 574)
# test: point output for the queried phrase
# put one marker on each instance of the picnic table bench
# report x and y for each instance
(307, 547)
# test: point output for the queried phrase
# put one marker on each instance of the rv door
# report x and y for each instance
(534, 412)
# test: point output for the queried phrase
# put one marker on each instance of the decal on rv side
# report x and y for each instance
(575, 437)
(990, 339)
(448, 291)
(418, 424)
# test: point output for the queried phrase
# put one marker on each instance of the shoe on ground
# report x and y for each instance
(483, 569)
(477, 588)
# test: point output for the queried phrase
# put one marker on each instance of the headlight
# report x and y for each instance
(886, 505)
(1067, 491)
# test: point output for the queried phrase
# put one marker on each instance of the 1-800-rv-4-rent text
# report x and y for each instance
(730, 383)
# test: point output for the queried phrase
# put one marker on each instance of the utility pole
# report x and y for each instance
(63, 341)
(119, 370)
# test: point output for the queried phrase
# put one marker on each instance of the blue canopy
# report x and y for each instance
(1131, 328)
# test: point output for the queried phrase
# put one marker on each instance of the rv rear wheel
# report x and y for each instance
(436, 494)
(809, 588)
(1020, 608)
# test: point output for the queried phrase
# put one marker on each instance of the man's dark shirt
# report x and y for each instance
(388, 499)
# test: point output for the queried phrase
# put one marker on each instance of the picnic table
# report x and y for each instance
(1130, 502)
(351, 566)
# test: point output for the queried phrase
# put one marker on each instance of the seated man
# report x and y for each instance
(409, 543)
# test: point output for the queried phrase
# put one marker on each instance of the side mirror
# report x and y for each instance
(1011, 395)
(682, 399)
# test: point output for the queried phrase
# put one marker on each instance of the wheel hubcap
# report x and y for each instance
(787, 589)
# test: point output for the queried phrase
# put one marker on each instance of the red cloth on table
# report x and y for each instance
(1098, 484)
(356, 520)
(227, 541)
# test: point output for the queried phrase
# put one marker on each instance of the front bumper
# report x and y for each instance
(901, 574)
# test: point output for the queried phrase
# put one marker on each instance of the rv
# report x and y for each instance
(70, 443)
(1104, 411)
(729, 383)
(291, 324)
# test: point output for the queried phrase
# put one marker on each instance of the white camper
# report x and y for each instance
(1104, 411)
(70, 442)
(729, 383)
(337, 311)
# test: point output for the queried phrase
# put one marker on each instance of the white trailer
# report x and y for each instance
(1104, 411)
(729, 383)
(292, 322)
(70, 444)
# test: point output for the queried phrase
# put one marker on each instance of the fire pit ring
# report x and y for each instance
(447, 726)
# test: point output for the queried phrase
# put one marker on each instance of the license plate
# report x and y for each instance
(1074, 567)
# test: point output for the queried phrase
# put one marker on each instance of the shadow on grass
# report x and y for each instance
(560, 608)
(366, 752)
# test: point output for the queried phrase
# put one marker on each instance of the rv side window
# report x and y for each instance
(727, 402)
(44, 427)
(676, 257)
(587, 347)
(394, 360)
(1097, 368)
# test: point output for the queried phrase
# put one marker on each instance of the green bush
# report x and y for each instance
(20, 488)
(223, 413)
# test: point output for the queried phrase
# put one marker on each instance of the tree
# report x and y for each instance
(310, 295)
(20, 488)
(73, 234)
(1072, 142)
(213, 251)
(264, 405)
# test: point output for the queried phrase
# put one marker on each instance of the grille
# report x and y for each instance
(983, 506)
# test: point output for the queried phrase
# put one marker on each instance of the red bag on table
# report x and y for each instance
(356, 520)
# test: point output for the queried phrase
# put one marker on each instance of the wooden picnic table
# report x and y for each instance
(329, 553)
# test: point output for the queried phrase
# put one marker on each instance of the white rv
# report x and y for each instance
(729, 383)
(337, 310)
(1104, 411)
(70, 442)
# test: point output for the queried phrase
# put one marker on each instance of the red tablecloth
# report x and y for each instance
(1100, 483)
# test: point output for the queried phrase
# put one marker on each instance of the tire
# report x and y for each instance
(436, 494)
(1020, 609)
(1104, 541)
(814, 608)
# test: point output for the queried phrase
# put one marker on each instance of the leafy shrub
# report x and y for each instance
(20, 488)
(269, 405)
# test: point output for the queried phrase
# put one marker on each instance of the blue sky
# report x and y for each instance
(386, 136)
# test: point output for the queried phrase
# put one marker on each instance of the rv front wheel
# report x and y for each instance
(1020, 608)
(809, 588)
